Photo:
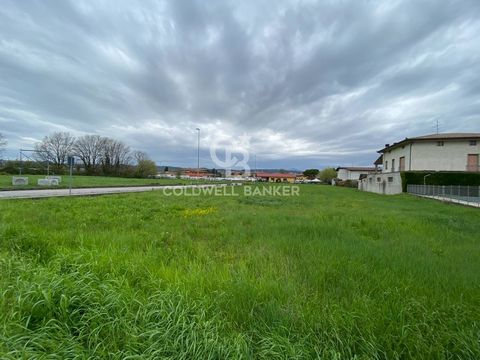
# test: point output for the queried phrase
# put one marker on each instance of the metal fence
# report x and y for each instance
(469, 195)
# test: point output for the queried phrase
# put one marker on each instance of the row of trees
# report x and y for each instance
(99, 155)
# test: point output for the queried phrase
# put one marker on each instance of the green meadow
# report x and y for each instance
(79, 181)
(333, 273)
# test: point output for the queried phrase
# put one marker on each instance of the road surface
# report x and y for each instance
(34, 194)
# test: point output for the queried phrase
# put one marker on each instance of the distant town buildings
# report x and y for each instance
(277, 177)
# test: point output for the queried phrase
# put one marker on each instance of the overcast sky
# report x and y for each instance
(310, 83)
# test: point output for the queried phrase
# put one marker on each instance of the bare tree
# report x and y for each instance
(55, 148)
(89, 149)
(116, 155)
(140, 156)
(3, 143)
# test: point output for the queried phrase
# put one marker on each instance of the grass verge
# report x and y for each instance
(333, 273)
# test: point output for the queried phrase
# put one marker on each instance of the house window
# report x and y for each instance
(370, 180)
(390, 179)
(379, 179)
(440, 143)
(393, 164)
(386, 165)
(473, 142)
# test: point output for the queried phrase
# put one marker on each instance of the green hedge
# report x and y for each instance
(439, 178)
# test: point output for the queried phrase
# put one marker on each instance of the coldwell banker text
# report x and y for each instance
(230, 190)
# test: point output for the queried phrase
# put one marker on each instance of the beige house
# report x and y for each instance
(438, 152)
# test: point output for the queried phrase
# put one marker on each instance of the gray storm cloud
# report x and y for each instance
(311, 82)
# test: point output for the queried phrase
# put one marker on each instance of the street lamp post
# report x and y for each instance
(425, 179)
(198, 153)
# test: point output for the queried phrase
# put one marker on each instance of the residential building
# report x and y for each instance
(353, 173)
(197, 173)
(438, 152)
(276, 177)
(457, 152)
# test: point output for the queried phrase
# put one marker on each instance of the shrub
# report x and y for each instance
(327, 175)
(347, 183)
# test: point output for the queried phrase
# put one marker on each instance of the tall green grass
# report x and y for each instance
(334, 274)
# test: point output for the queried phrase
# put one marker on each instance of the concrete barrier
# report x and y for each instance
(19, 180)
(54, 177)
(47, 182)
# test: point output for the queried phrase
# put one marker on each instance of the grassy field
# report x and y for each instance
(87, 181)
(334, 273)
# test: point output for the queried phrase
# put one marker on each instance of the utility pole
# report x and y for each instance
(70, 162)
(198, 153)
(437, 127)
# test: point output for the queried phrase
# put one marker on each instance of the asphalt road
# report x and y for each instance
(34, 194)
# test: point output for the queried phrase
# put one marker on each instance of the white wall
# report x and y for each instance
(428, 156)
(342, 174)
(387, 184)
(345, 174)
(397, 154)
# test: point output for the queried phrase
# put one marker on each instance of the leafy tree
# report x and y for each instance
(327, 174)
(146, 168)
(311, 173)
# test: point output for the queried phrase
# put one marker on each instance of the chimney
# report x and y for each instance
(387, 145)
